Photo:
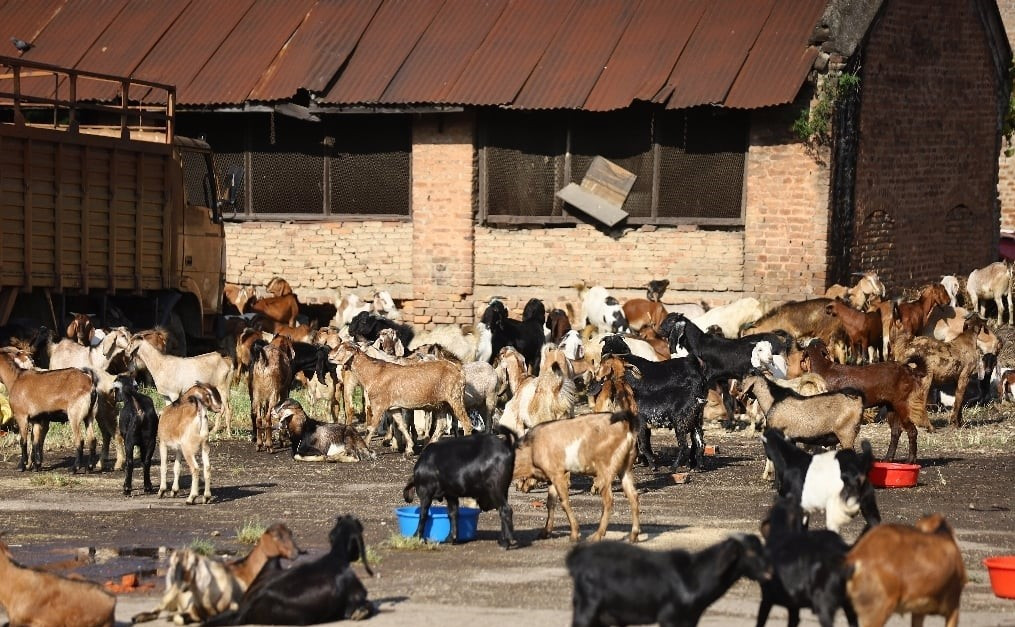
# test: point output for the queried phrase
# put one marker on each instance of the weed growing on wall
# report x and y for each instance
(814, 125)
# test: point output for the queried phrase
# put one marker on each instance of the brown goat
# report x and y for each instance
(271, 377)
(183, 426)
(897, 385)
(864, 330)
(279, 308)
(34, 395)
(239, 296)
(422, 385)
(33, 597)
(614, 394)
(947, 362)
(641, 313)
(903, 568)
(81, 329)
(806, 318)
(199, 587)
(914, 314)
(278, 286)
(600, 445)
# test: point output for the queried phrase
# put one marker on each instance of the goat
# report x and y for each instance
(557, 325)
(278, 286)
(183, 426)
(835, 481)
(614, 344)
(35, 597)
(617, 584)
(271, 376)
(348, 308)
(237, 296)
(34, 397)
(655, 289)
(199, 587)
(526, 335)
(897, 385)
(914, 315)
(384, 305)
(809, 419)
(732, 317)
(279, 308)
(722, 358)
(315, 441)
(81, 330)
(951, 284)
(302, 333)
(423, 385)
(549, 396)
(464, 341)
(320, 591)
(603, 311)
(172, 375)
(640, 313)
(902, 568)
(367, 326)
(808, 567)
(864, 329)
(599, 445)
(477, 466)
(139, 424)
(945, 323)
(868, 286)
(992, 282)
(947, 362)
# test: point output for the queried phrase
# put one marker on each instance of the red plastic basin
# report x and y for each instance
(1002, 575)
(892, 475)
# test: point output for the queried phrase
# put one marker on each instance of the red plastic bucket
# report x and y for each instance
(1002, 575)
(892, 475)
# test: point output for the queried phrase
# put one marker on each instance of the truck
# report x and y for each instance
(103, 208)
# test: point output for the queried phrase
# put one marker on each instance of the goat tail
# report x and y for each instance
(95, 390)
(409, 493)
(628, 416)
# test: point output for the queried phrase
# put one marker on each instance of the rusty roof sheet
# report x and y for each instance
(536, 54)
(322, 44)
(570, 67)
(782, 44)
(443, 51)
(387, 42)
(498, 69)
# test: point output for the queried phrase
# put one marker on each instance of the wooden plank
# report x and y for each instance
(593, 204)
(85, 215)
(58, 217)
(138, 222)
(8, 296)
(27, 217)
(609, 181)
(112, 222)
(167, 223)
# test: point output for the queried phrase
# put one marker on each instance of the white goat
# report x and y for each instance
(603, 311)
(173, 375)
(951, 284)
(347, 308)
(992, 282)
(464, 342)
(732, 317)
(385, 306)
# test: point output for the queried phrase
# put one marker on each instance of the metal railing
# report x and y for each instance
(146, 109)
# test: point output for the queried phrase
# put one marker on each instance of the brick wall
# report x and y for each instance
(923, 210)
(1006, 165)
(786, 248)
(322, 260)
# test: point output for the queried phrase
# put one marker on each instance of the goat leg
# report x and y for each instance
(128, 478)
(507, 527)
(147, 452)
(627, 483)
(453, 517)
(425, 499)
(895, 427)
(645, 454)
(551, 503)
(605, 477)
(23, 428)
(39, 431)
(960, 395)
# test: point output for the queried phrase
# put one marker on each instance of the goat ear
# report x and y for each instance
(830, 310)
(631, 368)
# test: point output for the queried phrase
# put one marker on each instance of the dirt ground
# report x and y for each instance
(83, 524)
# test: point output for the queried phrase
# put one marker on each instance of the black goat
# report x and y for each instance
(835, 481)
(723, 358)
(526, 336)
(320, 591)
(557, 325)
(139, 424)
(366, 326)
(621, 584)
(809, 567)
(478, 466)
(669, 393)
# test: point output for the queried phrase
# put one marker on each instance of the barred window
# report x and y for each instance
(345, 165)
(689, 164)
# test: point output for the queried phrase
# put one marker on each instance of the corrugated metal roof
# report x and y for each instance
(570, 67)
(782, 43)
(443, 51)
(321, 44)
(388, 40)
(534, 54)
(716, 52)
(646, 54)
(498, 68)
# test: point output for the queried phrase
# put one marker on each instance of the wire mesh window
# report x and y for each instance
(348, 165)
(689, 164)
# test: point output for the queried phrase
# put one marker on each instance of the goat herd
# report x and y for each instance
(804, 372)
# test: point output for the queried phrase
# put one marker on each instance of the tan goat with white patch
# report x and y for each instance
(549, 396)
(183, 426)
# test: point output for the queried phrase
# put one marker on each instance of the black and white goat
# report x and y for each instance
(603, 311)
(366, 326)
(622, 584)
(525, 335)
(835, 481)
(139, 425)
(477, 466)
(809, 567)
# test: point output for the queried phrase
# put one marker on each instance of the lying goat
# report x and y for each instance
(315, 441)
(34, 597)
(618, 584)
(808, 567)
(835, 481)
(477, 466)
(902, 568)
(309, 593)
(199, 587)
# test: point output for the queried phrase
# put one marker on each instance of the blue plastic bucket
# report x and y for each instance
(438, 524)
